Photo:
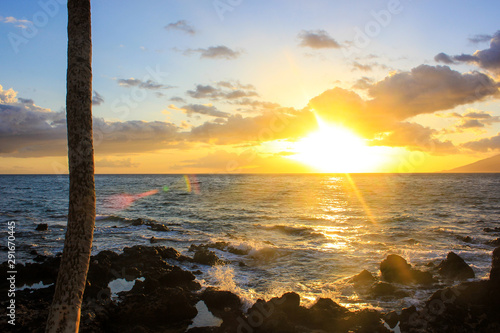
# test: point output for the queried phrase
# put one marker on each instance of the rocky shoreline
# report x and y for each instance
(164, 297)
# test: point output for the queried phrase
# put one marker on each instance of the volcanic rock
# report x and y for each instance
(455, 268)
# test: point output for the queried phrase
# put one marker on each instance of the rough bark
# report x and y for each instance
(64, 314)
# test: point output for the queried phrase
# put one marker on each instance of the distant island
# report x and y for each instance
(487, 165)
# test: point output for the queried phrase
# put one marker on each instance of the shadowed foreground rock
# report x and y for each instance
(164, 301)
(454, 267)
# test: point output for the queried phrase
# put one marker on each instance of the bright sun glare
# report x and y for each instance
(335, 149)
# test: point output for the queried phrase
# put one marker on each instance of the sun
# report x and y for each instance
(335, 149)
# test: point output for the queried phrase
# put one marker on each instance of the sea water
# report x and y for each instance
(303, 233)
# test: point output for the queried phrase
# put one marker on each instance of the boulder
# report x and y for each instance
(395, 269)
(221, 303)
(455, 268)
(206, 257)
(42, 227)
(384, 289)
(363, 278)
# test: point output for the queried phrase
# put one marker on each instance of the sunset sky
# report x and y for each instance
(249, 86)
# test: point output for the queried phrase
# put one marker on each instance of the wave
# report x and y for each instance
(293, 231)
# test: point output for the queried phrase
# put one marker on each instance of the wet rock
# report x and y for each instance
(494, 242)
(384, 289)
(178, 277)
(164, 307)
(395, 269)
(363, 278)
(221, 303)
(366, 321)
(42, 227)
(325, 314)
(206, 257)
(495, 268)
(454, 267)
(158, 227)
(495, 229)
(465, 239)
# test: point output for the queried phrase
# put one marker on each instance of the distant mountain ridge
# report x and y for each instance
(491, 164)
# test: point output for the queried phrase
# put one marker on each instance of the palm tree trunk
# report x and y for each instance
(64, 313)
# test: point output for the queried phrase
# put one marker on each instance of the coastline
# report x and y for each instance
(166, 297)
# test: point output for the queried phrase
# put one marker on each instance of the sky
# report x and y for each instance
(240, 86)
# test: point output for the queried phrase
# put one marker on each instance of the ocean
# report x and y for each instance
(303, 233)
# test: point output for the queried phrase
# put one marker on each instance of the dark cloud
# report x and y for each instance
(181, 25)
(469, 123)
(149, 84)
(27, 130)
(213, 93)
(215, 52)
(474, 119)
(427, 89)
(487, 59)
(484, 145)
(208, 110)
(444, 58)
(97, 99)
(317, 39)
(178, 99)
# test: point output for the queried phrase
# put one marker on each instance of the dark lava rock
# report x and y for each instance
(364, 277)
(42, 227)
(158, 227)
(221, 303)
(164, 307)
(465, 239)
(494, 242)
(206, 257)
(496, 229)
(395, 269)
(495, 268)
(454, 267)
(384, 289)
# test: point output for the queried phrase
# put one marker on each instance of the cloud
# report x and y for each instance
(213, 93)
(444, 58)
(363, 83)
(118, 163)
(27, 130)
(285, 123)
(484, 145)
(317, 39)
(248, 161)
(415, 137)
(215, 52)
(208, 110)
(178, 99)
(488, 59)
(181, 25)
(7, 96)
(473, 119)
(97, 99)
(23, 24)
(427, 89)
(480, 39)
(149, 84)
